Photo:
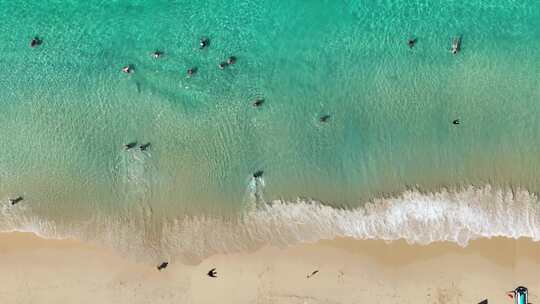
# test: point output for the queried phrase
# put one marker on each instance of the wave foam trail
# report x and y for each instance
(422, 218)
(417, 217)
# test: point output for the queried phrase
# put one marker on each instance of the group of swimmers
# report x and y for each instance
(132, 145)
(456, 44)
(204, 42)
(456, 47)
(36, 41)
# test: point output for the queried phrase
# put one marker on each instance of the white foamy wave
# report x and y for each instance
(416, 217)
(454, 216)
(20, 218)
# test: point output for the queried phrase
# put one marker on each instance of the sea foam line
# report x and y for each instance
(419, 218)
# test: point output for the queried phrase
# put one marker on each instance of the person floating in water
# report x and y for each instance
(157, 54)
(258, 102)
(192, 71)
(145, 146)
(324, 118)
(411, 42)
(204, 43)
(456, 45)
(258, 174)
(35, 42)
(456, 122)
(231, 60)
(212, 273)
(222, 65)
(14, 201)
(130, 145)
(128, 69)
(162, 266)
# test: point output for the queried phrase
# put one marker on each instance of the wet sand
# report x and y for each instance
(34, 270)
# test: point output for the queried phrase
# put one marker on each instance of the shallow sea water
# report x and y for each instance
(66, 109)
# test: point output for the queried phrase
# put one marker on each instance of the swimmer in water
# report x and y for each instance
(222, 65)
(128, 69)
(258, 174)
(157, 54)
(456, 122)
(130, 145)
(411, 42)
(191, 71)
(35, 42)
(258, 102)
(231, 60)
(203, 43)
(456, 45)
(324, 118)
(144, 147)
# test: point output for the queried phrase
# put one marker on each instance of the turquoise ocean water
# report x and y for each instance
(388, 164)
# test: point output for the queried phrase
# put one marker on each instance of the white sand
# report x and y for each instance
(33, 270)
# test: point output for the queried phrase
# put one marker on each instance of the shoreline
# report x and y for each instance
(457, 217)
(350, 271)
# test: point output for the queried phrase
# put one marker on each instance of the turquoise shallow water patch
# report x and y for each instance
(66, 108)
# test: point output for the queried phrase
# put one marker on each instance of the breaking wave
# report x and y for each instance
(419, 218)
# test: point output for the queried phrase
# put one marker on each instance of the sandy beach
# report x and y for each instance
(34, 270)
(277, 142)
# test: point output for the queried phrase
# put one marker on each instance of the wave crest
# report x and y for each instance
(421, 218)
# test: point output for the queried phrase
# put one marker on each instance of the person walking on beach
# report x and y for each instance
(162, 266)
(14, 201)
(312, 274)
(212, 273)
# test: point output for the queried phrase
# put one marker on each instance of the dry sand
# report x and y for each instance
(34, 270)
